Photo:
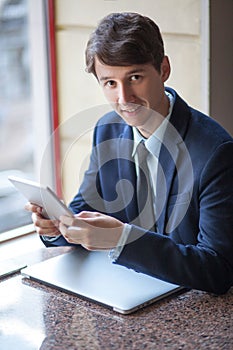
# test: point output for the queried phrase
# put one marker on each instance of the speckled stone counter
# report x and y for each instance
(34, 316)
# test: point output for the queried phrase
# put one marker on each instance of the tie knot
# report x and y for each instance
(142, 152)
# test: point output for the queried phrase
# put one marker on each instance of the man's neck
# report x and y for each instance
(156, 119)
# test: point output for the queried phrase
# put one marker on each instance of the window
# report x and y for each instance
(24, 103)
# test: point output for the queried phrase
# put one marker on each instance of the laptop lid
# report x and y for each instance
(92, 275)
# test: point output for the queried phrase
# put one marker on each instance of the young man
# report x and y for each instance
(183, 231)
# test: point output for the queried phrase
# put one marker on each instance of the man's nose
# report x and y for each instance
(125, 94)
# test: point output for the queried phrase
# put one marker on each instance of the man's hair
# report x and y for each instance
(124, 39)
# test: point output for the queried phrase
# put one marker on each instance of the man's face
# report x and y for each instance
(134, 91)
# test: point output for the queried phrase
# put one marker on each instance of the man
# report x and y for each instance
(183, 231)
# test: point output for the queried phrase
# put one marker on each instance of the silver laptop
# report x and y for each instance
(93, 276)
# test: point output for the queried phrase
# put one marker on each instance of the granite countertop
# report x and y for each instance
(34, 316)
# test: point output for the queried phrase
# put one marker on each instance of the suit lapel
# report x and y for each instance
(166, 171)
(169, 153)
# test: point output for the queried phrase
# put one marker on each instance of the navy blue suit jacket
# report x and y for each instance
(193, 245)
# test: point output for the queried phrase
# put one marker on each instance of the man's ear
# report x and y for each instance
(165, 68)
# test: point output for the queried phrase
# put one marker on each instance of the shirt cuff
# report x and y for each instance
(115, 253)
(50, 239)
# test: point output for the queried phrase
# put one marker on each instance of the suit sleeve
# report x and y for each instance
(208, 264)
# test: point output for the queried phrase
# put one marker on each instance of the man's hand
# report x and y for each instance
(43, 226)
(94, 231)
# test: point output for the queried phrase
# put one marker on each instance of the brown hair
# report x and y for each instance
(124, 39)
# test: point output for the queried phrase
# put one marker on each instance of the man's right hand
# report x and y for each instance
(43, 227)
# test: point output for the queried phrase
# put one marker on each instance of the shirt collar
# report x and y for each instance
(154, 141)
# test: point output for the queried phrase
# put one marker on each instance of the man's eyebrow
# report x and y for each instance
(134, 71)
(105, 78)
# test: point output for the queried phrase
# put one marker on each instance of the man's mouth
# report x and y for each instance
(130, 109)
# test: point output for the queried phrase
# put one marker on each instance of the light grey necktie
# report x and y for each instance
(144, 190)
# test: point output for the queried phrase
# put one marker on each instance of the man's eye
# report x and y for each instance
(110, 83)
(135, 77)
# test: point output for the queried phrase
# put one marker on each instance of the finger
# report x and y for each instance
(88, 214)
(71, 221)
(100, 222)
(51, 232)
(45, 227)
(66, 220)
(33, 208)
(69, 235)
(63, 229)
(39, 220)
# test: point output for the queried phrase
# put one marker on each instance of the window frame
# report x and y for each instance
(41, 18)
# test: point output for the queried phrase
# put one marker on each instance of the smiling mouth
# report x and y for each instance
(130, 109)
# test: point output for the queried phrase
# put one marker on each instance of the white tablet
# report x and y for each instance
(43, 196)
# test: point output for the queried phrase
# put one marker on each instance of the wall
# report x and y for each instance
(185, 37)
(221, 63)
